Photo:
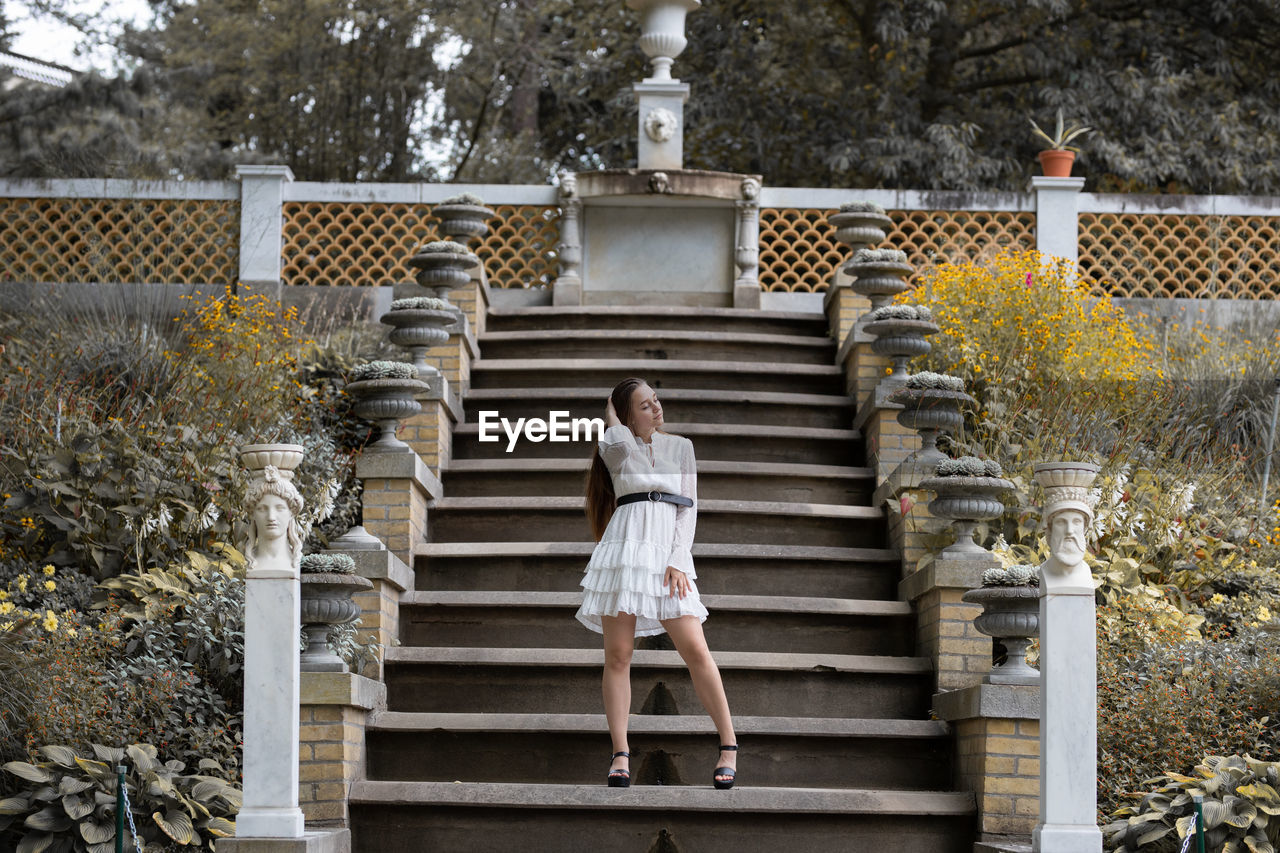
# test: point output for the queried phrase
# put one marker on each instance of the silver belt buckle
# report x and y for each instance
(655, 496)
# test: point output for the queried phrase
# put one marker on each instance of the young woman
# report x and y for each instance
(642, 499)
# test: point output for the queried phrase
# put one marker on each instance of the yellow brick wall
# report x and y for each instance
(331, 743)
(843, 309)
(999, 760)
(379, 615)
(395, 511)
(424, 434)
(888, 442)
(945, 633)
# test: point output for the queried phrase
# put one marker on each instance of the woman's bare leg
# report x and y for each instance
(686, 633)
(619, 641)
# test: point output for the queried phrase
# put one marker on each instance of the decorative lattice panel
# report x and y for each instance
(370, 244)
(799, 253)
(1170, 255)
(100, 240)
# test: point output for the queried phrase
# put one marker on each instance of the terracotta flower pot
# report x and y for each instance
(1056, 162)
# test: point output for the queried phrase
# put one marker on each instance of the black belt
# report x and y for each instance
(656, 497)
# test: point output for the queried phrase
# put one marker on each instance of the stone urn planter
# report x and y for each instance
(860, 224)
(463, 218)
(285, 458)
(418, 324)
(1010, 600)
(386, 392)
(328, 582)
(900, 334)
(662, 31)
(968, 491)
(931, 404)
(442, 266)
(879, 274)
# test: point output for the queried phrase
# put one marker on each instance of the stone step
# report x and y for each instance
(800, 752)
(718, 442)
(667, 318)
(766, 481)
(869, 573)
(781, 623)
(659, 373)
(500, 680)
(689, 405)
(695, 344)
(505, 519)
(387, 816)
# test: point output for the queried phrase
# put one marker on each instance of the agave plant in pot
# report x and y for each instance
(328, 582)
(418, 324)
(1056, 160)
(931, 406)
(900, 332)
(968, 491)
(386, 392)
(1010, 599)
(463, 217)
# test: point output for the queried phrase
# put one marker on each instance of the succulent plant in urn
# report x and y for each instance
(1010, 599)
(968, 491)
(442, 266)
(931, 406)
(386, 392)
(900, 332)
(879, 274)
(419, 323)
(463, 217)
(860, 224)
(328, 582)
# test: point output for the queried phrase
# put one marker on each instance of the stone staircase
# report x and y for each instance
(494, 735)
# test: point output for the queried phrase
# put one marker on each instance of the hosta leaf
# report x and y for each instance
(6, 820)
(50, 819)
(175, 824)
(30, 772)
(97, 832)
(1259, 791)
(45, 794)
(1258, 844)
(97, 771)
(76, 806)
(1183, 824)
(220, 826)
(15, 805)
(60, 755)
(1216, 813)
(35, 842)
(104, 847)
(209, 764)
(109, 754)
(143, 756)
(72, 785)
(1152, 834)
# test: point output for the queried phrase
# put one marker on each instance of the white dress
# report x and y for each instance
(628, 565)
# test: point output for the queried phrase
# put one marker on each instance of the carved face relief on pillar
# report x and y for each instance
(568, 184)
(750, 188)
(660, 124)
(1066, 538)
(275, 538)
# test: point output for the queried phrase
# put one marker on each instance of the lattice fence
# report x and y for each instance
(799, 253)
(1179, 255)
(369, 244)
(108, 240)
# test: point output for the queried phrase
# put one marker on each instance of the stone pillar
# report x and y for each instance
(1057, 216)
(262, 226)
(390, 576)
(568, 287)
(1068, 667)
(997, 729)
(661, 142)
(746, 288)
(397, 489)
(334, 712)
(430, 432)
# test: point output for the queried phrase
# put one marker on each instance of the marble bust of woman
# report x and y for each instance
(275, 540)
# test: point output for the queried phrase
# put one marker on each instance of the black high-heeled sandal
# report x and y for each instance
(725, 784)
(620, 778)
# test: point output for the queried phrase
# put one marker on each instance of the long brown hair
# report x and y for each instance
(601, 501)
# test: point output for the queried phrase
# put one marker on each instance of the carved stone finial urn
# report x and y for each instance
(662, 31)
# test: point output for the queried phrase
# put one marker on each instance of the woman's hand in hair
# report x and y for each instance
(610, 414)
(677, 581)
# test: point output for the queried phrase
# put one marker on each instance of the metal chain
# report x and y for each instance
(128, 813)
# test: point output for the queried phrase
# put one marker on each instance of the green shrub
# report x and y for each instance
(68, 801)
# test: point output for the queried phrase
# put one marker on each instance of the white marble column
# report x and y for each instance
(1068, 668)
(567, 289)
(1057, 216)
(261, 224)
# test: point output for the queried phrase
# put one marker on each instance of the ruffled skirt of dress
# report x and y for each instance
(626, 570)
